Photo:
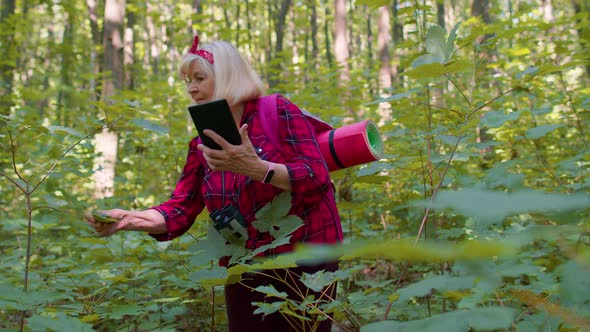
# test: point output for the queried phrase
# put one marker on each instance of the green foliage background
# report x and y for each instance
(475, 219)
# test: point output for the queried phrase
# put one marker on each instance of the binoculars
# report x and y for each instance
(230, 223)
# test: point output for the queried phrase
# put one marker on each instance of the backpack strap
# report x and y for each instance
(269, 117)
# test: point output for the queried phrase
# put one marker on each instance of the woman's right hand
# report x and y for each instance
(150, 221)
(106, 228)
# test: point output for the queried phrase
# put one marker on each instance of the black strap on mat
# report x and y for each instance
(333, 149)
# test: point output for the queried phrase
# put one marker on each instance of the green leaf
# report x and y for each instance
(150, 126)
(495, 119)
(479, 319)
(425, 59)
(493, 206)
(278, 242)
(214, 276)
(121, 310)
(273, 211)
(439, 48)
(532, 70)
(451, 41)
(266, 308)
(318, 280)
(438, 282)
(372, 3)
(540, 131)
(61, 322)
(432, 70)
(271, 291)
(64, 130)
(273, 217)
(435, 43)
(575, 283)
(395, 97)
(54, 202)
(373, 169)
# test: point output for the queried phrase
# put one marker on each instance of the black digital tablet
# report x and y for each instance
(215, 115)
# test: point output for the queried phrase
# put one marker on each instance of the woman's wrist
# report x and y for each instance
(259, 170)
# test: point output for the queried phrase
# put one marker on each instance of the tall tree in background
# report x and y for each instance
(279, 30)
(440, 13)
(8, 55)
(314, 33)
(481, 9)
(340, 43)
(129, 49)
(383, 38)
(327, 34)
(397, 33)
(67, 56)
(106, 141)
(582, 10)
(96, 41)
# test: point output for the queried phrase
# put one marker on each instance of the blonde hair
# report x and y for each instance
(235, 80)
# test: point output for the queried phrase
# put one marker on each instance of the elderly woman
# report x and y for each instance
(246, 177)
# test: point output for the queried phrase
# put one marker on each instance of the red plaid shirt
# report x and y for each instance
(312, 189)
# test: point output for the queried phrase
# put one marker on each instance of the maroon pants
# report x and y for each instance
(239, 298)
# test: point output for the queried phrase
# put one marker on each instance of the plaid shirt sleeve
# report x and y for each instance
(307, 169)
(186, 201)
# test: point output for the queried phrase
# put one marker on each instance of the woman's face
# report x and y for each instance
(199, 84)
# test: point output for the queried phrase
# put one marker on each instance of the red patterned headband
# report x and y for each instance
(202, 53)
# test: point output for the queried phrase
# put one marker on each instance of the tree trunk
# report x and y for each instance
(480, 8)
(314, 33)
(153, 41)
(95, 63)
(384, 59)
(397, 39)
(67, 57)
(8, 56)
(106, 141)
(129, 50)
(341, 55)
(279, 29)
(581, 6)
(373, 88)
(340, 42)
(249, 26)
(440, 13)
(327, 37)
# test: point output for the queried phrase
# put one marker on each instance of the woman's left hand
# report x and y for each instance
(241, 159)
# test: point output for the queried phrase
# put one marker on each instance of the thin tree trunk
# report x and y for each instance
(106, 141)
(480, 8)
(238, 9)
(153, 42)
(384, 60)
(279, 29)
(373, 88)
(314, 33)
(8, 56)
(340, 42)
(327, 38)
(67, 56)
(129, 50)
(440, 13)
(397, 33)
(95, 62)
(249, 26)
(581, 6)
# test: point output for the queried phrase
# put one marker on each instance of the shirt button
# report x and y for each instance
(311, 175)
(259, 149)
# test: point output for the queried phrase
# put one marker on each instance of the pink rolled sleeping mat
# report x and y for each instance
(351, 145)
